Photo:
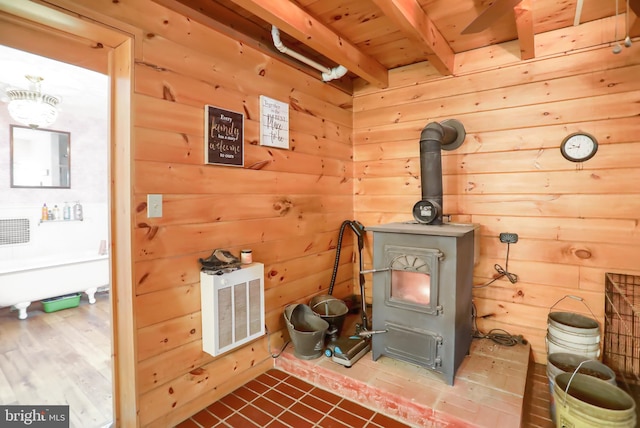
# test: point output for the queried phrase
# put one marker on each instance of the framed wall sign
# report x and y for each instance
(274, 123)
(223, 137)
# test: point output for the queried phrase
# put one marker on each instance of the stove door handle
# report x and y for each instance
(375, 270)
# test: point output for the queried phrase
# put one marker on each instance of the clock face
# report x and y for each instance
(579, 147)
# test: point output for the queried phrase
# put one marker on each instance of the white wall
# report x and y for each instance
(83, 113)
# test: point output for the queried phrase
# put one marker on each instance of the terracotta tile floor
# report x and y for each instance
(275, 399)
(489, 392)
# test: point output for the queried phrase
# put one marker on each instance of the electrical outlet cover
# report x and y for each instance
(154, 206)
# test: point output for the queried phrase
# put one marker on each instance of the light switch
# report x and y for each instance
(154, 206)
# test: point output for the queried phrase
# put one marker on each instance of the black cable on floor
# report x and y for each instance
(498, 335)
(501, 337)
(284, 346)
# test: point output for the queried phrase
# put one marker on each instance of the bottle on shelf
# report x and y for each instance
(77, 211)
(56, 212)
(66, 211)
(45, 213)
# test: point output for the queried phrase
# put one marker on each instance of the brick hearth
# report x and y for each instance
(488, 390)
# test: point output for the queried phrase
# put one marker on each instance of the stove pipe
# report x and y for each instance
(447, 135)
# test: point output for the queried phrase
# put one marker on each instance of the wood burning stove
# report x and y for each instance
(422, 282)
(423, 272)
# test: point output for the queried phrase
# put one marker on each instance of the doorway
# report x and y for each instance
(54, 357)
(78, 37)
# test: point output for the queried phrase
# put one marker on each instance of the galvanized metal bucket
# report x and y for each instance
(573, 333)
(307, 331)
(331, 310)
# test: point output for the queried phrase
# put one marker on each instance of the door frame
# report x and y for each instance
(61, 34)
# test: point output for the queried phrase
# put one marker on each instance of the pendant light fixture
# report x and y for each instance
(31, 107)
(627, 39)
(617, 48)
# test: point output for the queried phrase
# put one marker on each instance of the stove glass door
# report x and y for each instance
(413, 287)
(413, 279)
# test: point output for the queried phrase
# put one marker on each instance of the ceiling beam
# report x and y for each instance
(633, 20)
(635, 6)
(634, 24)
(227, 22)
(297, 23)
(488, 16)
(524, 24)
(416, 24)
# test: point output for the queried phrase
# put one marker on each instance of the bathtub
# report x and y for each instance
(23, 281)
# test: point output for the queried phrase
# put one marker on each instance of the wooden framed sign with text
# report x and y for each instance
(274, 123)
(223, 137)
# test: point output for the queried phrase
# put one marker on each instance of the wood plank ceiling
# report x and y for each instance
(370, 37)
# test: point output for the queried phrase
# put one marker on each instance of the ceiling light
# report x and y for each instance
(31, 107)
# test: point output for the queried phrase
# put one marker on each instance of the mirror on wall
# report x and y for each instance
(40, 158)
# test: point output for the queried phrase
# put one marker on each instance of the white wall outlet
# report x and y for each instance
(154, 206)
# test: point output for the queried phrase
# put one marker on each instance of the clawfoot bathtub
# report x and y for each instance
(29, 280)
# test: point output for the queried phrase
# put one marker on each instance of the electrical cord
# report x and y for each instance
(501, 337)
(512, 277)
(284, 346)
(498, 335)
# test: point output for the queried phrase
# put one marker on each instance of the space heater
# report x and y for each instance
(232, 308)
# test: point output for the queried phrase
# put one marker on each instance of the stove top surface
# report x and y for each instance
(447, 229)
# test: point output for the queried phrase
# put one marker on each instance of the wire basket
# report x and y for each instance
(622, 326)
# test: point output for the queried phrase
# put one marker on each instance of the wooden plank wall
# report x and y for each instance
(509, 176)
(286, 205)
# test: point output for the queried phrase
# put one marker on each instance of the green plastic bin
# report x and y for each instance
(61, 302)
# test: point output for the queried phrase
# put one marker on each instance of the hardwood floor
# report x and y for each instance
(61, 357)
(535, 411)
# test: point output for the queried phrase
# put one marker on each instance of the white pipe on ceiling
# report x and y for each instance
(335, 73)
(328, 74)
(576, 19)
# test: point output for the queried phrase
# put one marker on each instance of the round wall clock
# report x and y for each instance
(579, 147)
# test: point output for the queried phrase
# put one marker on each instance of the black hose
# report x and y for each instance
(358, 229)
(337, 261)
